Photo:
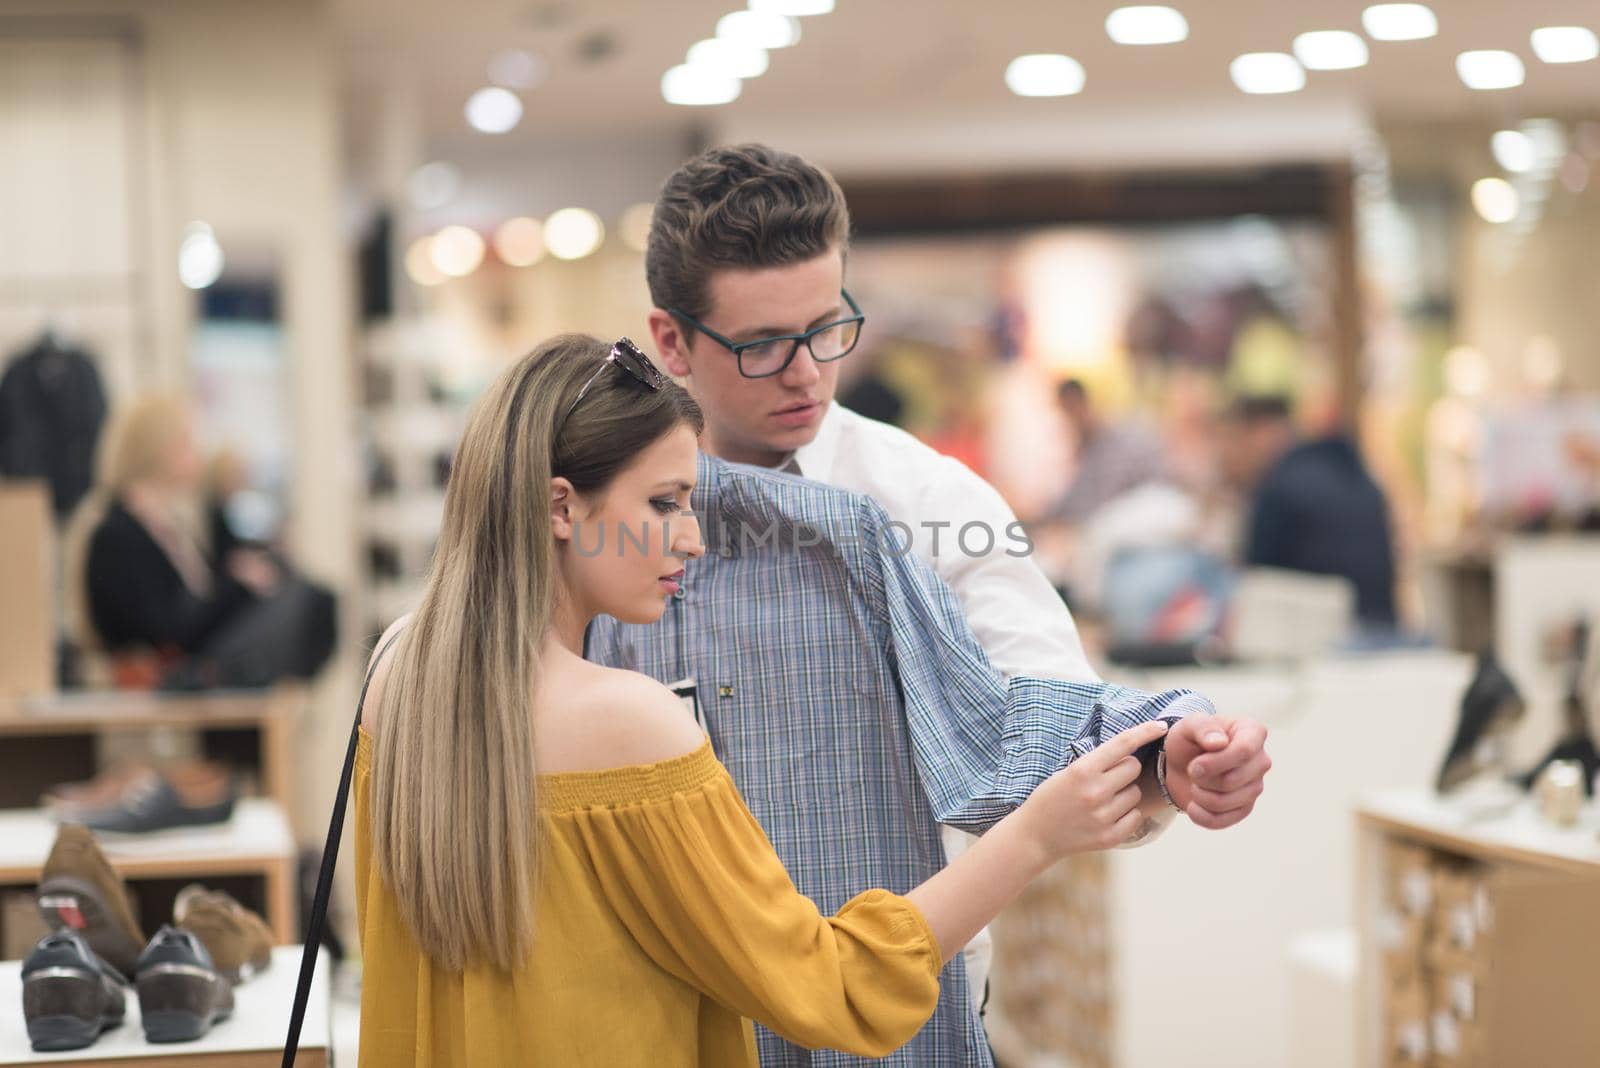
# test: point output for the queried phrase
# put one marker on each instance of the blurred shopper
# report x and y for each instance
(1112, 458)
(745, 265)
(552, 866)
(148, 586)
(1312, 505)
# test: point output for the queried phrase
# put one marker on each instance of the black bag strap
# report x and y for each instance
(330, 856)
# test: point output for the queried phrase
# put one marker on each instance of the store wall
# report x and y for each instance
(237, 125)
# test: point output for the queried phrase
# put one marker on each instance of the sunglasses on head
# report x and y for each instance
(632, 361)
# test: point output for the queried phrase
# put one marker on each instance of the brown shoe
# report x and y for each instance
(239, 941)
(102, 791)
(79, 890)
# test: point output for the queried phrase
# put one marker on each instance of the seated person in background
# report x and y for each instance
(1311, 505)
(1110, 458)
(147, 581)
(148, 584)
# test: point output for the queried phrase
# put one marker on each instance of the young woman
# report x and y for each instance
(552, 868)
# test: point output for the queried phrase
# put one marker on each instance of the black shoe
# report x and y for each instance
(188, 796)
(181, 993)
(69, 995)
(1490, 708)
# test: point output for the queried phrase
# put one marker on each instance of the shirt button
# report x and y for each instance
(679, 593)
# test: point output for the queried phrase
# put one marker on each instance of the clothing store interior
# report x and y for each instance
(1089, 409)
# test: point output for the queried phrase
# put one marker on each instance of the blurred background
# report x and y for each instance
(1275, 321)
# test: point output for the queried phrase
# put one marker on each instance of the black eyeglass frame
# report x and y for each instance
(632, 361)
(738, 347)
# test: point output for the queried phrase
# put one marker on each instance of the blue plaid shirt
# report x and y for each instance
(855, 710)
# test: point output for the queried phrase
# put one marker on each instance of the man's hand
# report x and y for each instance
(1215, 768)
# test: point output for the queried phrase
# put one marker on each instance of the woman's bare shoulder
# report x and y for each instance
(610, 718)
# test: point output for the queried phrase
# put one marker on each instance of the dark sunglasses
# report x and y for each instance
(627, 356)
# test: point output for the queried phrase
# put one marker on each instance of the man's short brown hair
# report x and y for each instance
(739, 206)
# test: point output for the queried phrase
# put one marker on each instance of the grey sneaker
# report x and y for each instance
(69, 995)
(181, 993)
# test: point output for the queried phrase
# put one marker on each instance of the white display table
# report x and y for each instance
(256, 841)
(252, 1037)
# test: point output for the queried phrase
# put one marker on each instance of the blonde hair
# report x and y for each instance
(134, 448)
(455, 805)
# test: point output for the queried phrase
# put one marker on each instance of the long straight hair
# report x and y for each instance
(455, 797)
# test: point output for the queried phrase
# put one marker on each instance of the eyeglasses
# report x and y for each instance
(627, 356)
(769, 356)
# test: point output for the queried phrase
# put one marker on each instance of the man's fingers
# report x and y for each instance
(1127, 743)
(1244, 745)
(1216, 821)
(1226, 801)
(1253, 771)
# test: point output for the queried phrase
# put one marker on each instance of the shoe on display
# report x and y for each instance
(68, 799)
(1490, 708)
(181, 993)
(189, 796)
(69, 995)
(80, 891)
(239, 941)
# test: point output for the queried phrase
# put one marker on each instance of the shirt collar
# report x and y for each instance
(815, 460)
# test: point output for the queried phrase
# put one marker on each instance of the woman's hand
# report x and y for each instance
(1093, 803)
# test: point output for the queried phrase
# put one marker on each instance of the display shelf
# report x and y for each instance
(1479, 935)
(255, 842)
(272, 713)
(251, 1038)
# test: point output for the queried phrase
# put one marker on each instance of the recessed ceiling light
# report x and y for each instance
(759, 29)
(573, 233)
(519, 242)
(494, 110)
(1565, 44)
(1495, 199)
(1513, 150)
(1489, 68)
(1399, 22)
(1330, 50)
(728, 57)
(200, 257)
(694, 86)
(792, 7)
(1267, 72)
(1147, 25)
(1045, 74)
(419, 263)
(433, 185)
(456, 251)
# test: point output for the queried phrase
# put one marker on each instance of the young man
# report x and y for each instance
(842, 685)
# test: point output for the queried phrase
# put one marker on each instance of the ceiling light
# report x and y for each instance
(519, 242)
(1489, 69)
(1330, 50)
(1399, 22)
(634, 226)
(516, 69)
(1495, 199)
(696, 86)
(494, 110)
(456, 251)
(1565, 44)
(1045, 74)
(792, 7)
(728, 57)
(1146, 25)
(573, 233)
(1513, 150)
(433, 185)
(200, 258)
(1267, 72)
(759, 29)
(419, 263)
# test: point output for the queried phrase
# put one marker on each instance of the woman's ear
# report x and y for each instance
(565, 509)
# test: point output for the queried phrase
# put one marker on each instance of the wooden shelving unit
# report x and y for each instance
(1479, 937)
